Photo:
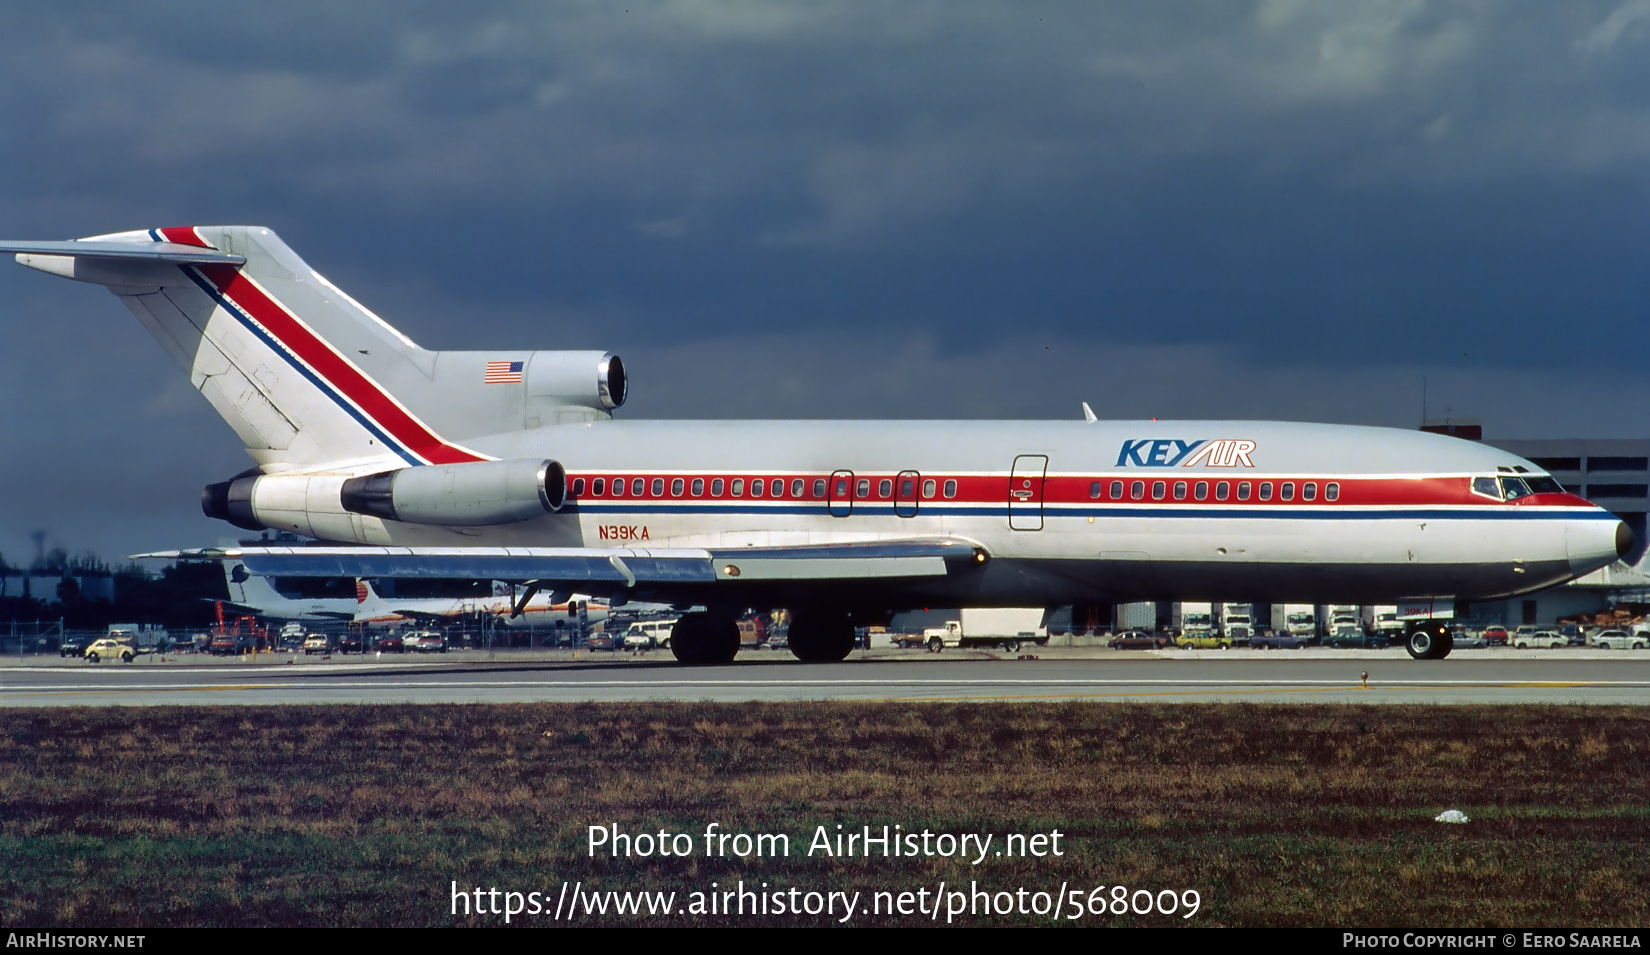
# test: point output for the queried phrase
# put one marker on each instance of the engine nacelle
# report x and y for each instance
(475, 494)
(593, 379)
(326, 506)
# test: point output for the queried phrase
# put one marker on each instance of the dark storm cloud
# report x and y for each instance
(1279, 209)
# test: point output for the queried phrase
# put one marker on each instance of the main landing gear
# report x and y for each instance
(705, 638)
(821, 636)
(1428, 639)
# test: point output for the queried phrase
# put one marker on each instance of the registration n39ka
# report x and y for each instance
(510, 466)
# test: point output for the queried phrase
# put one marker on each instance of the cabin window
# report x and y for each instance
(819, 487)
(1117, 490)
(907, 487)
(659, 487)
(637, 485)
(676, 486)
(618, 487)
(1331, 491)
(951, 488)
(1223, 490)
(1157, 490)
(716, 487)
(757, 487)
(1286, 491)
(1309, 491)
(796, 487)
(1094, 491)
(1137, 490)
(928, 487)
(578, 487)
(598, 487)
(1243, 490)
(698, 487)
(1180, 490)
(863, 489)
(737, 488)
(1200, 490)
(885, 488)
(1266, 490)
(1487, 487)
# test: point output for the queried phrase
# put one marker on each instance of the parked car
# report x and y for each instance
(1619, 640)
(1138, 640)
(1539, 638)
(1278, 640)
(424, 641)
(1467, 640)
(1202, 640)
(390, 643)
(316, 643)
(109, 649)
(601, 640)
(74, 646)
(1496, 636)
(1354, 640)
(350, 643)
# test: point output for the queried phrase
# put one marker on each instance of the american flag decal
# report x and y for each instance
(502, 373)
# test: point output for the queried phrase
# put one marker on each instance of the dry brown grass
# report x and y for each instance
(1285, 815)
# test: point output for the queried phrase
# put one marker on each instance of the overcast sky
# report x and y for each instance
(1277, 209)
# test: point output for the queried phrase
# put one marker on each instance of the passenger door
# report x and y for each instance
(840, 493)
(1025, 492)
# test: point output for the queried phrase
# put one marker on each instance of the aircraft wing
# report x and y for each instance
(614, 570)
(427, 616)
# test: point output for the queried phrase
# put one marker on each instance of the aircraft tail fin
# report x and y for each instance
(304, 374)
(309, 378)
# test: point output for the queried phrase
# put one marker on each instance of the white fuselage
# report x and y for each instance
(1108, 511)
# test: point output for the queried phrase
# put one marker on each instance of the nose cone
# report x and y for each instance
(1595, 543)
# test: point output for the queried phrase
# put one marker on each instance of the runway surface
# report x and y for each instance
(1326, 677)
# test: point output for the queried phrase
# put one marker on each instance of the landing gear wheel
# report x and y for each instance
(1429, 640)
(822, 637)
(701, 638)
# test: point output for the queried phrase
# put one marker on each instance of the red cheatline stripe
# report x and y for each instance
(182, 235)
(333, 369)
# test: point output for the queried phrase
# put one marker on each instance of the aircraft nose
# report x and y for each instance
(1595, 543)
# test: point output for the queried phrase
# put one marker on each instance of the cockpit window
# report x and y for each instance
(1514, 488)
(1487, 487)
(1543, 484)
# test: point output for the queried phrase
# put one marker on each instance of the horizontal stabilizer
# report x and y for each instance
(171, 252)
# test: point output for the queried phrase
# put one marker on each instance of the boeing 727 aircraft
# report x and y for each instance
(509, 465)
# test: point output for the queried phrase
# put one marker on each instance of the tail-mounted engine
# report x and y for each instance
(460, 495)
(330, 506)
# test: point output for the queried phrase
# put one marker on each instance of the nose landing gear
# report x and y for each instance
(1428, 639)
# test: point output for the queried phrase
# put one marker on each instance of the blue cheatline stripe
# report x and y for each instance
(818, 508)
(258, 330)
